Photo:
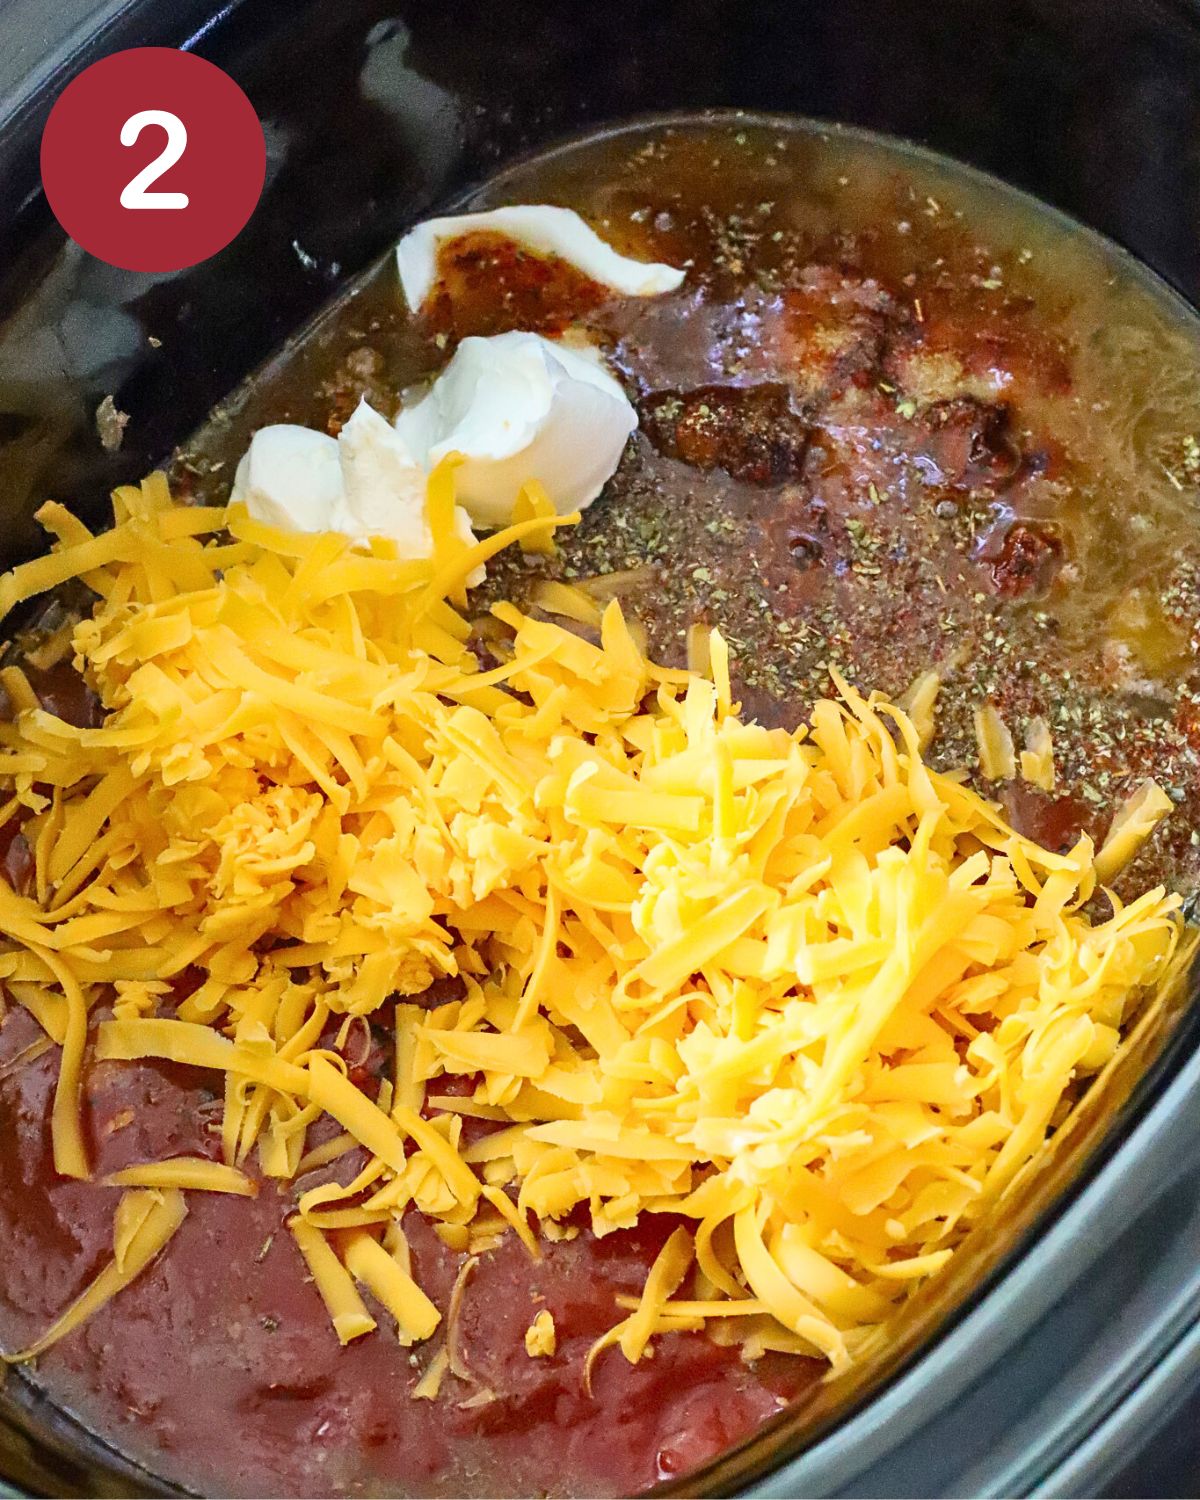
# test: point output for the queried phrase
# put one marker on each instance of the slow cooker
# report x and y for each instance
(1073, 1366)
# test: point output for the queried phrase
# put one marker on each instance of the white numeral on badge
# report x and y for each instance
(134, 194)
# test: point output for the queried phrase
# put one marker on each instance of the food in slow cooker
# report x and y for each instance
(515, 1033)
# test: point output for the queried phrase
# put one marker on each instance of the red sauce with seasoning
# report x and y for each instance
(225, 1335)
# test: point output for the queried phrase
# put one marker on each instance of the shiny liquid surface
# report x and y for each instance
(897, 418)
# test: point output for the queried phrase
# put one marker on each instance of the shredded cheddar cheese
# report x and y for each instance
(1037, 758)
(430, 1384)
(919, 702)
(801, 991)
(367, 1260)
(1136, 819)
(192, 1173)
(997, 755)
(541, 1337)
(347, 1311)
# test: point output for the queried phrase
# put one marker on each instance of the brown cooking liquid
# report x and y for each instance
(894, 420)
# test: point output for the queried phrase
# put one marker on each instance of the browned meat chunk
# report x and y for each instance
(966, 445)
(1028, 560)
(834, 331)
(965, 350)
(751, 432)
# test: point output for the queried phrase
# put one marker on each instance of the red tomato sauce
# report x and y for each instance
(219, 1368)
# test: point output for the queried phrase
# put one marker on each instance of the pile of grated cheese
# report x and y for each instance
(799, 990)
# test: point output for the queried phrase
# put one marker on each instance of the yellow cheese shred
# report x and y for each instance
(801, 991)
(368, 1262)
(541, 1337)
(347, 1312)
(66, 1128)
(1037, 758)
(997, 755)
(533, 504)
(1136, 819)
(669, 1268)
(919, 702)
(192, 1173)
(430, 1383)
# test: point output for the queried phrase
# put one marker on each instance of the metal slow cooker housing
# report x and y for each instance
(1065, 1360)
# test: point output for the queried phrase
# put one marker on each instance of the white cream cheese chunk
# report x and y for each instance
(544, 230)
(290, 477)
(519, 407)
(364, 483)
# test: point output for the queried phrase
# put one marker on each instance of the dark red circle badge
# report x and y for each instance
(153, 159)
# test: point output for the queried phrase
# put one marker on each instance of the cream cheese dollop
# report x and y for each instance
(545, 230)
(290, 477)
(519, 407)
(364, 483)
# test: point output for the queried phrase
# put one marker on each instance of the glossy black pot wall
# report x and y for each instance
(375, 109)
